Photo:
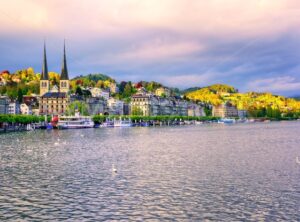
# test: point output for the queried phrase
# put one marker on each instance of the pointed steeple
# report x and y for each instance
(44, 75)
(64, 70)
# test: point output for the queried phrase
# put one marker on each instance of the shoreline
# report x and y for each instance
(42, 126)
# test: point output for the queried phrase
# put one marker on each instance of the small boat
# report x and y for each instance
(226, 121)
(107, 123)
(75, 122)
(144, 124)
(122, 123)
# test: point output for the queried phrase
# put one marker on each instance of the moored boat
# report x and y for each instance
(122, 123)
(75, 122)
(226, 121)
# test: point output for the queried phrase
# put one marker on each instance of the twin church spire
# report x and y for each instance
(64, 70)
(64, 77)
(44, 75)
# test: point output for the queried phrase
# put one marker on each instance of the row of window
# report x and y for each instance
(52, 106)
(54, 101)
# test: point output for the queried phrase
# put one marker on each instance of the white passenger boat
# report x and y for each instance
(75, 122)
(226, 120)
(122, 123)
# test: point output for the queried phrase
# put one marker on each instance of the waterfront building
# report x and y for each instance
(147, 104)
(56, 100)
(163, 91)
(225, 110)
(14, 107)
(195, 110)
(96, 105)
(25, 109)
(4, 104)
(115, 106)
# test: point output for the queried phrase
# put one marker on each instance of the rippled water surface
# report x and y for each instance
(188, 173)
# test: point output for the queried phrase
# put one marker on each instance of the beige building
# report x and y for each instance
(163, 91)
(151, 105)
(97, 92)
(195, 110)
(113, 87)
(56, 101)
(225, 110)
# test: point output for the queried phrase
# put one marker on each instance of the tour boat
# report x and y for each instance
(226, 120)
(122, 123)
(75, 122)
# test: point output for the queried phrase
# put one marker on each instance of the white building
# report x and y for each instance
(25, 109)
(14, 108)
(97, 92)
(115, 107)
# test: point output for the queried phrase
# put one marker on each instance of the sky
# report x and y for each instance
(252, 45)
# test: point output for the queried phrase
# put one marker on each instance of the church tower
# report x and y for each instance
(44, 82)
(64, 83)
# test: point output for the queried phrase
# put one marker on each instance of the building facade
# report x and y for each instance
(195, 110)
(4, 104)
(225, 110)
(14, 107)
(115, 106)
(56, 101)
(97, 92)
(151, 105)
(163, 91)
(113, 88)
(25, 109)
(96, 105)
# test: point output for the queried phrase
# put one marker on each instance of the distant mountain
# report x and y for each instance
(191, 89)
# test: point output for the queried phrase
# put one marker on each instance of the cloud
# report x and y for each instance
(277, 84)
(182, 43)
(188, 80)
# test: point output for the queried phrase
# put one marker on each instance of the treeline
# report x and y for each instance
(103, 118)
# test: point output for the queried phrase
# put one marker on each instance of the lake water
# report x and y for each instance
(186, 173)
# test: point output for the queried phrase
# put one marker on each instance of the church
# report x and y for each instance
(56, 100)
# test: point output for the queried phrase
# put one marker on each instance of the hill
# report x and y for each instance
(257, 104)
(94, 77)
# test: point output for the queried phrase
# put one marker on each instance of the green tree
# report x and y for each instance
(78, 91)
(136, 111)
(77, 105)
(20, 95)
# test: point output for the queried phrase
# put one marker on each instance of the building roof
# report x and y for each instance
(64, 69)
(54, 95)
(44, 75)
